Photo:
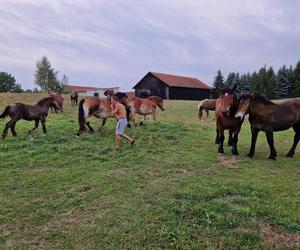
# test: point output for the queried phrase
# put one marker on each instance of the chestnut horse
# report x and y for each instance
(226, 107)
(145, 107)
(270, 117)
(74, 99)
(99, 108)
(18, 111)
(206, 104)
(109, 93)
(58, 99)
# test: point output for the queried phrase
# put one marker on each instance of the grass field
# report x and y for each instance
(170, 190)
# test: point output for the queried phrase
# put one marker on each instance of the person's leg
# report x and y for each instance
(117, 141)
(128, 138)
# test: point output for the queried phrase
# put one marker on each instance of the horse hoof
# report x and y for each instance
(250, 155)
(289, 155)
(271, 157)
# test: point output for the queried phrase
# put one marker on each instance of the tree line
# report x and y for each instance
(46, 78)
(285, 83)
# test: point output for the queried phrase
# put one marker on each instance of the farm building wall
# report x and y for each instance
(188, 93)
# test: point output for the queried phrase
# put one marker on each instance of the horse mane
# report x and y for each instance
(256, 97)
(44, 100)
(261, 98)
(120, 95)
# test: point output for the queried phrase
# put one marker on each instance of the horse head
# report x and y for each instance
(158, 101)
(227, 101)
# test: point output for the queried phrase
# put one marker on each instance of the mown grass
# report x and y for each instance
(170, 190)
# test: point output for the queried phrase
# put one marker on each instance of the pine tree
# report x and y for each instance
(245, 82)
(218, 83)
(45, 75)
(229, 83)
(297, 80)
(282, 83)
(291, 80)
(271, 78)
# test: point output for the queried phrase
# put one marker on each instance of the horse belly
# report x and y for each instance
(102, 115)
(143, 110)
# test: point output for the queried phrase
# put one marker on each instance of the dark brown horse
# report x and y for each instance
(74, 99)
(58, 99)
(145, 107)
(109, 93)
(270, 117)
(100, 108)
(18, 111)
(226, 107)
(206, 105)
(145, 93)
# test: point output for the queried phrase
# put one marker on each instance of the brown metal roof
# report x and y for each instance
(181, 81)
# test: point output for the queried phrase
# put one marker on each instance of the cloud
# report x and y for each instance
(113, 42)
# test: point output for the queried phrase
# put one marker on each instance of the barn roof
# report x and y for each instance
(180, 81)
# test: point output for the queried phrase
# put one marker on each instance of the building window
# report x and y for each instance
(96, 94)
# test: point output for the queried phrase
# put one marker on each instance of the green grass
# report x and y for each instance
(170, 190)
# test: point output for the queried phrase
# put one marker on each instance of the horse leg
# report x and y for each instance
(43, 121)
(89, 126)
(154, 115)
(221, 140)
(254, 132)
(6, 128)
(143, 123)
(235, 141)
(230, 138)
(296, 140)
(207, 113)
(102, 124)
(217, 141)
(13, 129)
(36, 124)
(270, 140)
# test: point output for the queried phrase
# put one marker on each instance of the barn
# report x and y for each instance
(172, 87)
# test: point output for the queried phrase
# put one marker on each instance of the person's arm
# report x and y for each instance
(115, 109)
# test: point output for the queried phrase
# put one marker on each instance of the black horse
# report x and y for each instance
(18, 111)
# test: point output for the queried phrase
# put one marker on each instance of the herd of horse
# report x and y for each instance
(230, 111)
(264, 115)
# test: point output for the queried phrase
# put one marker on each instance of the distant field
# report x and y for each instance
(170, 190)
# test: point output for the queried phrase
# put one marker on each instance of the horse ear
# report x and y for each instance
(234, 87)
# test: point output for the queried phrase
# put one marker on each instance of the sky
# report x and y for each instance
(116, 42)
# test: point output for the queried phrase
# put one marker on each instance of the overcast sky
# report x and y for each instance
(115, 43)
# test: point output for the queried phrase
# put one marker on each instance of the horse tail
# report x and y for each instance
(81, 117)
(5, 112)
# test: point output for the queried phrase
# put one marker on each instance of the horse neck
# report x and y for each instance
(45, 104)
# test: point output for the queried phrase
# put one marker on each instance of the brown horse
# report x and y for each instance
(225, 119)
(109, 93)
(74, 99)
(58, 99)
(269, 117)
(18, 111)
(145, 107)
(99, 108)
(206, 104)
